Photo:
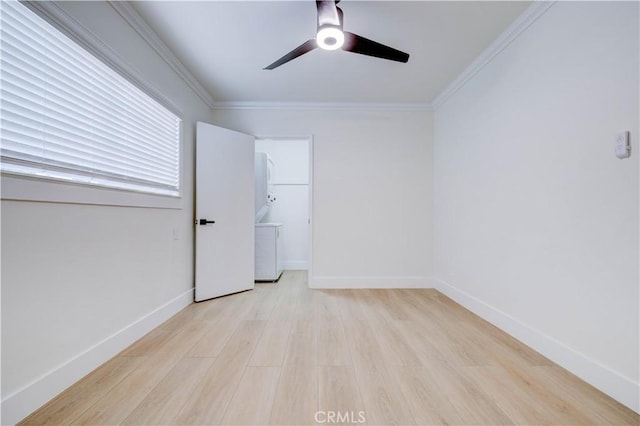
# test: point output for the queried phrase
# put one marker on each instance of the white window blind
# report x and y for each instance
(65, 115)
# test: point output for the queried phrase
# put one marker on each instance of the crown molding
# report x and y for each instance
(513, 31)
(134, 19)
(322, 106)
(131, 16)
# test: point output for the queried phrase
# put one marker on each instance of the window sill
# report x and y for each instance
(32, 189)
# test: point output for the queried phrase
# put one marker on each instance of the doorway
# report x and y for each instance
(291, 186)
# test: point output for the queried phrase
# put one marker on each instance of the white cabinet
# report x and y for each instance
(268, 252)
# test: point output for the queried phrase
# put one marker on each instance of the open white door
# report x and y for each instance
(224, 212)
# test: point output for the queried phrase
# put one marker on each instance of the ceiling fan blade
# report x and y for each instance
(357, 44)
(327, 13)
(305, 47)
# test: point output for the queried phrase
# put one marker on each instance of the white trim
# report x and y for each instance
(21, 403)
(328, 282)
(129, 14)
(288, 183)
(322, 106)
(285, 138)
(295, 265)
(513, 31)
(614, 384)
(134, 19)
(310, 230)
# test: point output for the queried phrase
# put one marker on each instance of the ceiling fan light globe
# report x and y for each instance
(330, 38)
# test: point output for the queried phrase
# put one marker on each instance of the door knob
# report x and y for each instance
(205, 221)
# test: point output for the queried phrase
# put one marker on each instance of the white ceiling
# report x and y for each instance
(225, 44)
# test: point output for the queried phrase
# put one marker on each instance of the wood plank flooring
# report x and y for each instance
(285, 354)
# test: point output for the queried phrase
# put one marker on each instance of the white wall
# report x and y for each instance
(372, 191)
(81, 282)
(536, 221)
(290, 185)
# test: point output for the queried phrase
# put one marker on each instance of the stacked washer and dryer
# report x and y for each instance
(268, 265)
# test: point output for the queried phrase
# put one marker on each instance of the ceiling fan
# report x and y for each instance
(330, 36)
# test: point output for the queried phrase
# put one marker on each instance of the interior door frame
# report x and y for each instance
(308, 138)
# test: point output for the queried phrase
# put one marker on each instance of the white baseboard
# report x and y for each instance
(370, 282)
(617, 386)
(23, 402)
(295, 265)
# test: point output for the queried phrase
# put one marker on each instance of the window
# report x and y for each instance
(65, 115)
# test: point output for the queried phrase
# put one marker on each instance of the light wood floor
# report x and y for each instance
(282, 352)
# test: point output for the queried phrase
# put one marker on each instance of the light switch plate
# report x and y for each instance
(622, 145)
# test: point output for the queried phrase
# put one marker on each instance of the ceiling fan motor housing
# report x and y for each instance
(329, 35)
